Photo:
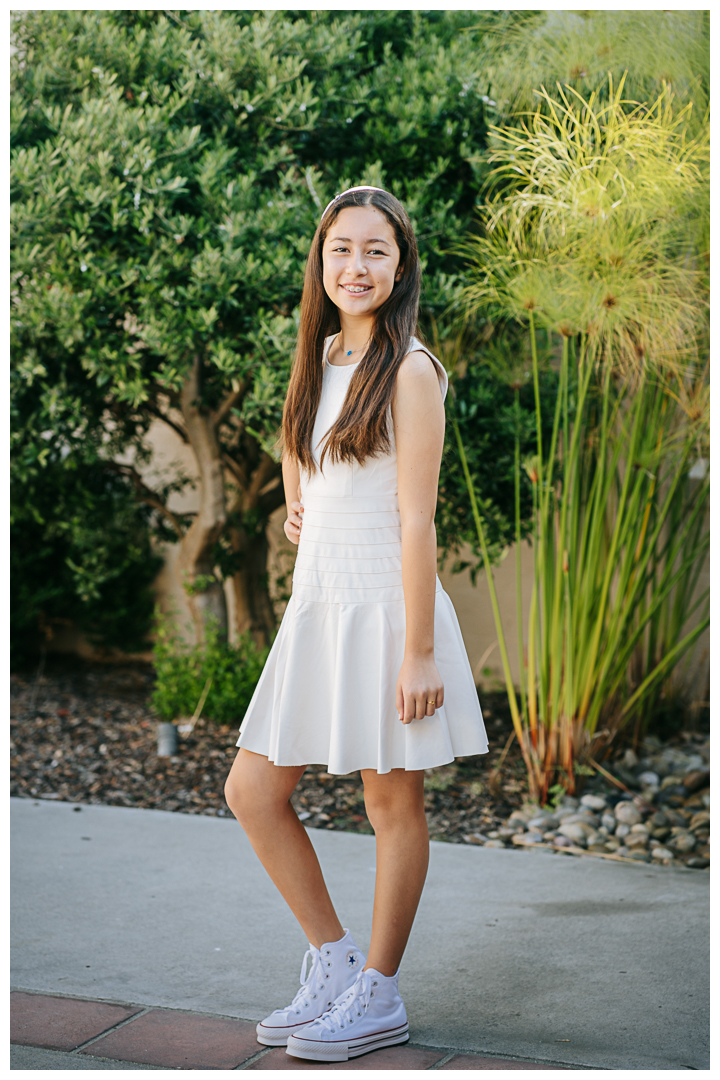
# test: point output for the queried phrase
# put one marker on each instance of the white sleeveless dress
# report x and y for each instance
(326, 695)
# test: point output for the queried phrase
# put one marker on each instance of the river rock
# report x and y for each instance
(506, 834)
(562, 841)
(636, 840)
(697, 821)
(569, 802)
(683, 843)
(612, 844)
(662, 854)
(622, 830)
(649, 779)
(593, 802)
(696, 779)
(697, 862)
(639, 854)
(527, 839)
(495, 843)
(628, 813)
(575, 832)
(640, 828)
(658, 820)
(672, 780)
(586, 817)
(622, 850)
(543, 820)
(630, 760)
(609, 821)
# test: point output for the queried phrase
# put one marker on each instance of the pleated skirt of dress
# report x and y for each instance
(327, 692)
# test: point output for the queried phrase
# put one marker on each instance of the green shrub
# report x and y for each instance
(182, 672)
(80, 554)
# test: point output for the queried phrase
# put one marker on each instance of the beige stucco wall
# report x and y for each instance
(472, 603)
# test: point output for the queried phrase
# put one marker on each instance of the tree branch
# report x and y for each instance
(222, 413)
(236, 469)
(156, 411)
(146, 494)
(265, 471)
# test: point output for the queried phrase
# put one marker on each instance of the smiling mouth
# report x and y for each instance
(356, 290)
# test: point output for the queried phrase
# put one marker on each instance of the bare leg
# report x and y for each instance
(395, 806)
(258, 793)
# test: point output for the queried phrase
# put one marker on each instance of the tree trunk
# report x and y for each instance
(251, 508)
(196, 563)
(253, 606)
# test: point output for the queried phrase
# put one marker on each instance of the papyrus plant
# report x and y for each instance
(596, 236)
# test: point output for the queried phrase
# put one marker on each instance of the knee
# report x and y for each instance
(387, 810)
(243, 800)
(235, 796)
(250, 802)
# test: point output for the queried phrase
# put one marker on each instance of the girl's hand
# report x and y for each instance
(418, 684)
(293, 523)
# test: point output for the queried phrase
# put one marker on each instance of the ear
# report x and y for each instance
(399, 273)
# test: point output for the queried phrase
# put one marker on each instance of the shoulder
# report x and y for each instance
(416, 365)
(422, 371)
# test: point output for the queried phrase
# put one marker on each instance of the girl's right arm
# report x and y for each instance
(291, 482)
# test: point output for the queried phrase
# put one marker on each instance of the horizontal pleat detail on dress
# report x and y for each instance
(349, 552)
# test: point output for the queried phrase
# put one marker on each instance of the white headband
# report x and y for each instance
(363, 187)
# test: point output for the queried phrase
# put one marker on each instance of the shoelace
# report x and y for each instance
(309, 980)
(351, 1005)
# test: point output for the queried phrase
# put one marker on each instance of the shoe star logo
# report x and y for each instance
(352, 960)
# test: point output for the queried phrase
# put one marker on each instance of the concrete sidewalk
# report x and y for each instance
(519, 954)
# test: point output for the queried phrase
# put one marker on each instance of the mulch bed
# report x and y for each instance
(86, 733)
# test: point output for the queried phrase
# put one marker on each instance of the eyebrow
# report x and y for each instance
(348, 240)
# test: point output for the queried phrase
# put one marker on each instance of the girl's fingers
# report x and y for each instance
(292, 528)
(415, 706)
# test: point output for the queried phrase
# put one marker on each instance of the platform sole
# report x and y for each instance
(343, 1051)
(268, 1037)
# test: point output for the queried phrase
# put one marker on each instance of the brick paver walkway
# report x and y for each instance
(183, 1040)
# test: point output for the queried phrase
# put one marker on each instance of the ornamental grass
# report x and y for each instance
(594, 239)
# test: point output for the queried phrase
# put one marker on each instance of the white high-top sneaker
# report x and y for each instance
(333, 969)
(370, 1015)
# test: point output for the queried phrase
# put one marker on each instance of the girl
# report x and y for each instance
(368, 671)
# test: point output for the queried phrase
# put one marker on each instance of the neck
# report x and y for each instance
(354, 333)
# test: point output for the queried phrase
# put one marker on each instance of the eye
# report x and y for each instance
(377, 251)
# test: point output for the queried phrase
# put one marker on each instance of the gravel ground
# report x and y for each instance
(86, 733)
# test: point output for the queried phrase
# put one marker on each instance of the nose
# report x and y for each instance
(357, 266)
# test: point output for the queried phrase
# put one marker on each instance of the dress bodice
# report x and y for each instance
(377, 477)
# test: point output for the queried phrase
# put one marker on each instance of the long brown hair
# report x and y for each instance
(360, 430)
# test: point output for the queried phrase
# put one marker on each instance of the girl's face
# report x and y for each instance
(361, 260)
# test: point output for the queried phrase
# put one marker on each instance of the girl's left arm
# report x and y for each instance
(419, 419)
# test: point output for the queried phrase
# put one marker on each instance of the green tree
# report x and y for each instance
(168, 170)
